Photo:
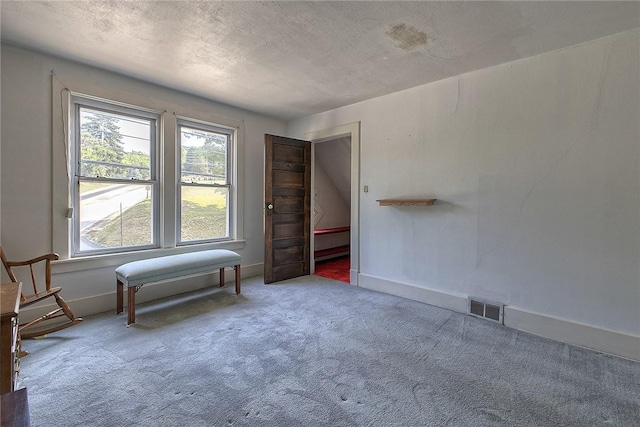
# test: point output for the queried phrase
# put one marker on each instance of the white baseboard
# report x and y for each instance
(405, 290)
(570, 332)
(95, 304)
(563, 330)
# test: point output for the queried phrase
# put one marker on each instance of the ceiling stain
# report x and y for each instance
(408, 37)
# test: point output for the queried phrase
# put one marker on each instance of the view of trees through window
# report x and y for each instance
(115, 180)
(117, 196)
(203, 184)
(103, 149)
(204, 156)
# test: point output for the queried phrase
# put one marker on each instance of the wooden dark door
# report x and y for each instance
(287, 208)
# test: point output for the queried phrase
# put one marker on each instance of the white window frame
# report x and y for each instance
(171, 107)
(79, 101)
(230, 177)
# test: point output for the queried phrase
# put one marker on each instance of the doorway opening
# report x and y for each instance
(351, 131)
(331, 183)
(289, 203)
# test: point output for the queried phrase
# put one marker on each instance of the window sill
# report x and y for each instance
(71, 265)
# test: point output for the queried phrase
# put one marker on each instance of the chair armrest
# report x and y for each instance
(50, 257)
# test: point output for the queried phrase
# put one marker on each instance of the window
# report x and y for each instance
(204, 182)
(116, 194)
(136, 175)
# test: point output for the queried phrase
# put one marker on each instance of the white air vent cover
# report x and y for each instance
(485, 309)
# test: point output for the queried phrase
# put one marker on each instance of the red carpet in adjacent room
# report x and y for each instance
(336, 269)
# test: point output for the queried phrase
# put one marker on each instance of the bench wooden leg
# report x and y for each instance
(237, 269)
(132, 305)
(119, 297)
(222, 277)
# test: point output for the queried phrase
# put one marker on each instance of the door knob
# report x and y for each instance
(269, 207)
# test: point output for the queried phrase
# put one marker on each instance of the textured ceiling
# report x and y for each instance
(289, 59)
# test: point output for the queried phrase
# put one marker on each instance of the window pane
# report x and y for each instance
(204, 213)
(115, 215)
(114, 146)
(203, 156)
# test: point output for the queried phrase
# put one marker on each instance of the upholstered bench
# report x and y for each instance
(137, 273)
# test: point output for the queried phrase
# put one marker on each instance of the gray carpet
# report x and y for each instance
(313, 352)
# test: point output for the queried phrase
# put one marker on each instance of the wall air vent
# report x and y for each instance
(487, 310)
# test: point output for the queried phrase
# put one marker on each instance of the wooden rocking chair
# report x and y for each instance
(39, 295)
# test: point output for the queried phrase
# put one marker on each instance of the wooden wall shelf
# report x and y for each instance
(406, 202)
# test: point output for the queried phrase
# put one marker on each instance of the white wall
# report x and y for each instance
(335, 211)
(26, 166)
(334, 156)
(536, 166)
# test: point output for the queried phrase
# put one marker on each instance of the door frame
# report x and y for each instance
(352, 130)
